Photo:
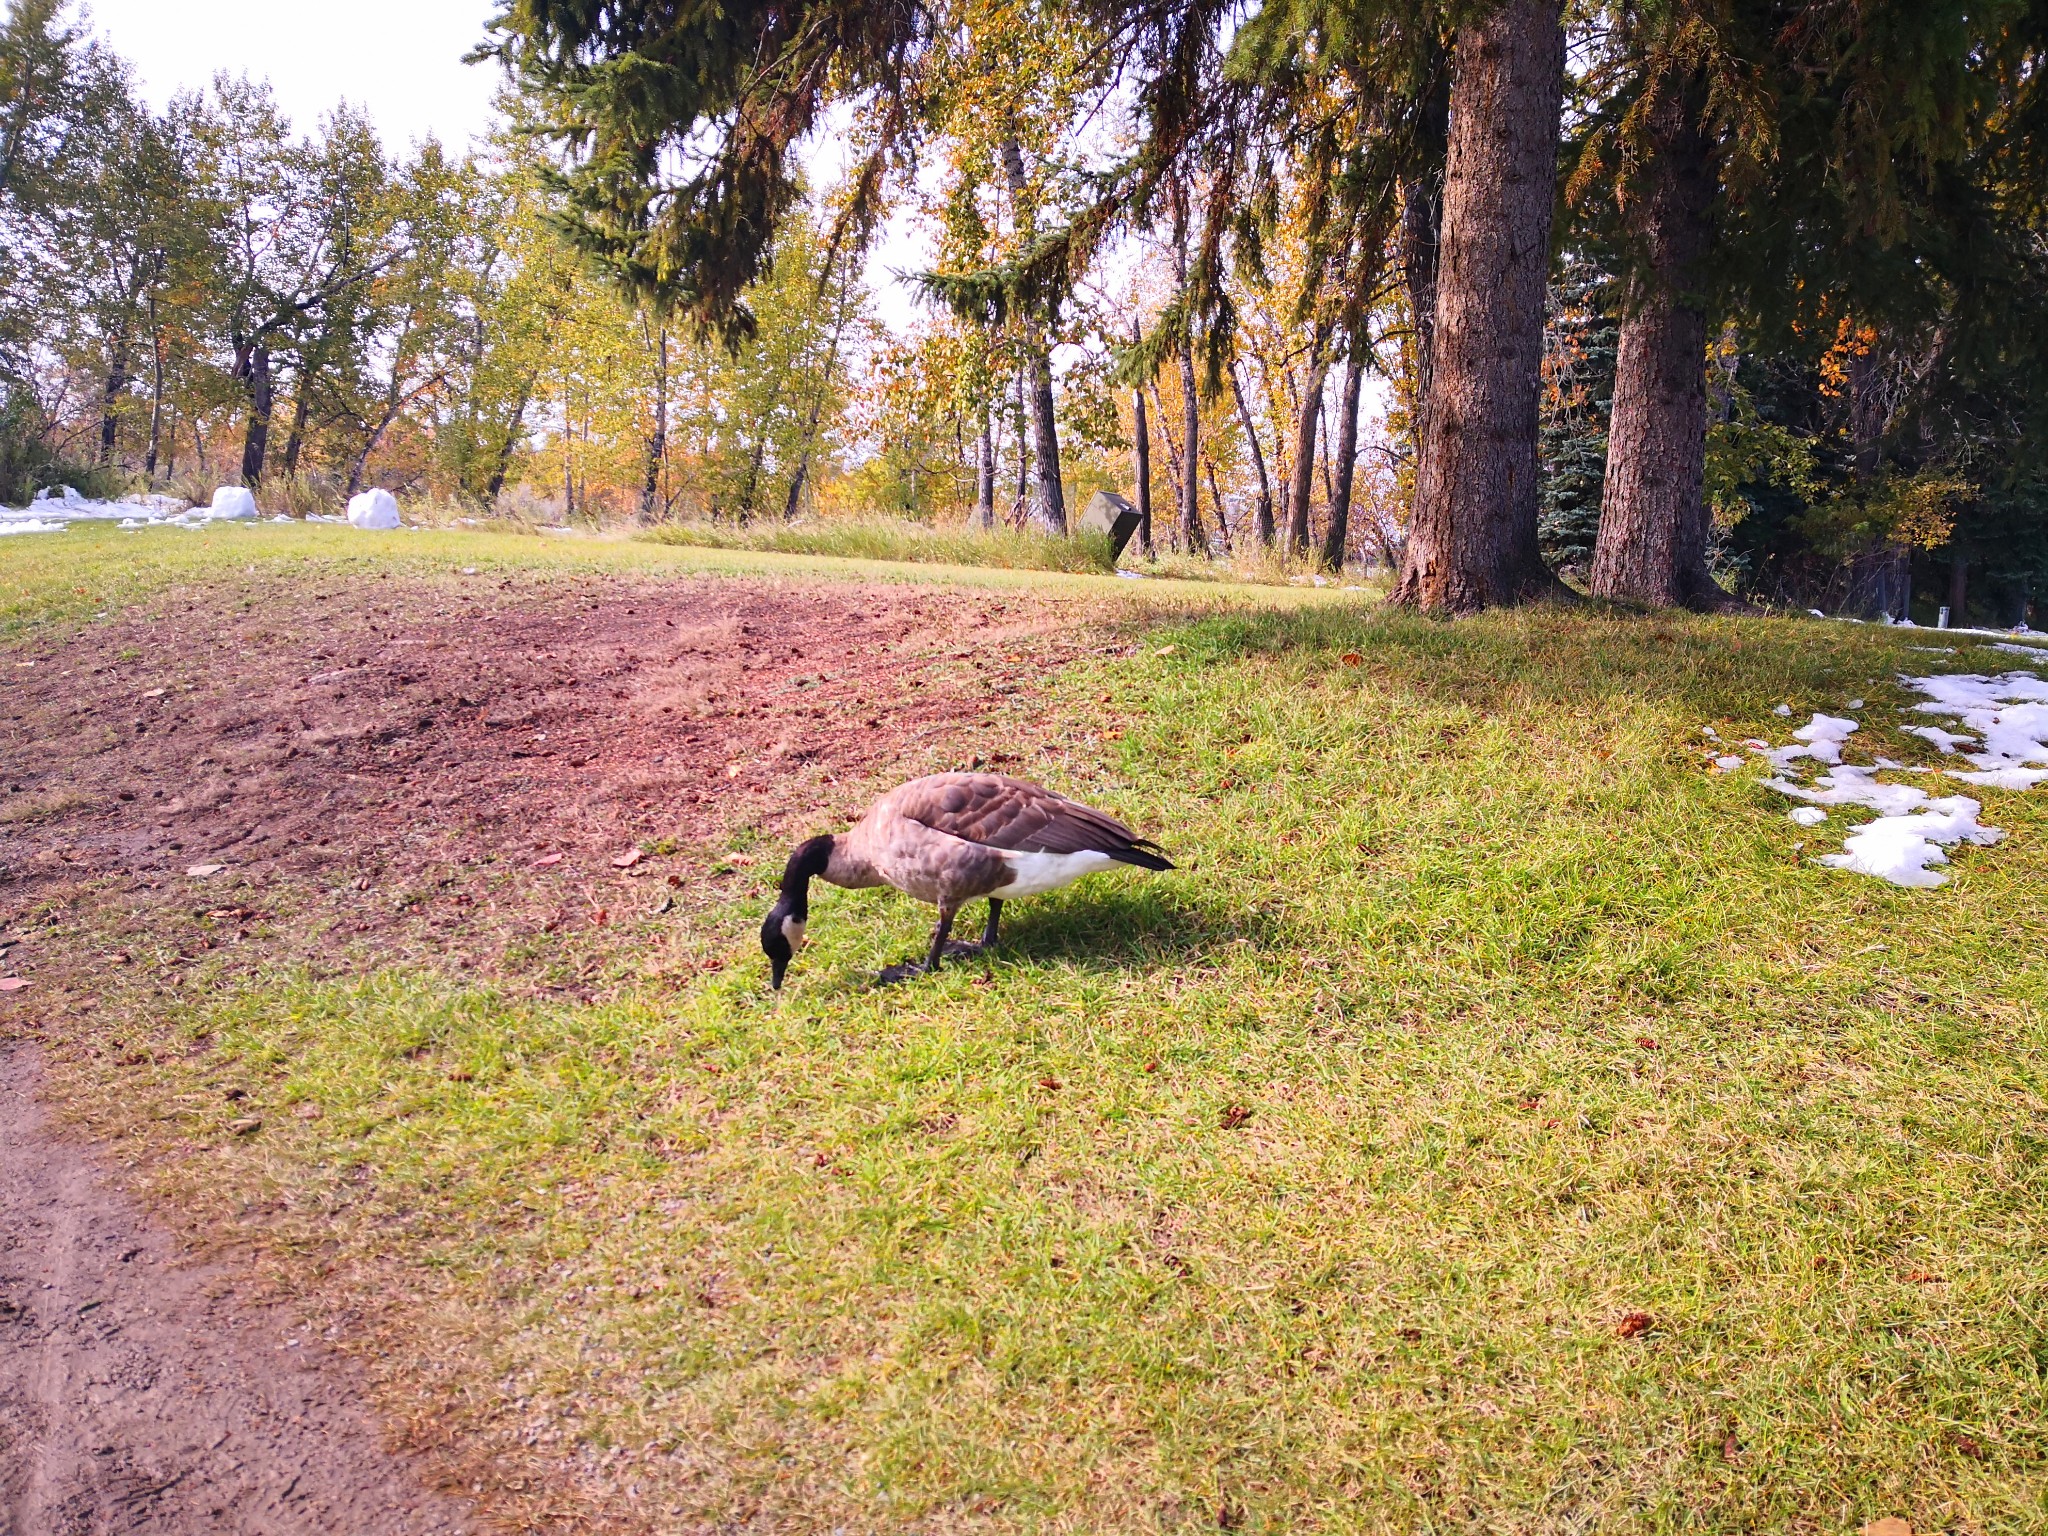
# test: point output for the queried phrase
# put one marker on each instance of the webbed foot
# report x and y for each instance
(907, 971)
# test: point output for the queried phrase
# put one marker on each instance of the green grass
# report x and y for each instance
(1304, 1189)
(876, 538)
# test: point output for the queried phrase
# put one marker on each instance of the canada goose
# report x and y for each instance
(947, 839)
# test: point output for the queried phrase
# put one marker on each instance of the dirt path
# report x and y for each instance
(141, 1394)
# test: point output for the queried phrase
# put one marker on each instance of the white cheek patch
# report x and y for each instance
(793, 932)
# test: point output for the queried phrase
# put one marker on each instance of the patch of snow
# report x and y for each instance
(2039, 653)
(375, 509)
(1823, 735)
(1728, 764)
(2009, 713)
(1783, 709)
(1900, 848)
(233, 504)
(1133, 575)
(1947, 741)
(59, 506)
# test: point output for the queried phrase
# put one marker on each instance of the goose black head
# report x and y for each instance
(782, 931)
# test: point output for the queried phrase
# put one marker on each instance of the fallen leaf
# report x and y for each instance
(12, 983)
(546, 859)
(675, 882)
(732, 770)
(1151, 1066)
(1352, 659)
(627, 859)
(1890, 1525)
(1167, 650)
(1235, 1116)
(153, 693)
(1635, 1324)
(1922, 1277)
(202, 871)
(248, 1127)
(1646, 1042)
(308, 1111)
(1052, 1083)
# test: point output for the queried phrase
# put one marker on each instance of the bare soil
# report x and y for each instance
(140, 1393)
(351, 772)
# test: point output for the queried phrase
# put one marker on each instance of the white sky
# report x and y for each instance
(401, 60)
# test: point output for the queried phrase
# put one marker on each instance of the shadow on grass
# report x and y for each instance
(1123, 927)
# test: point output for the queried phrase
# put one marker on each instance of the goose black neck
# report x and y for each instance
(806, 863)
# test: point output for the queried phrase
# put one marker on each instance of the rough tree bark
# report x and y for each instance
(1049, 500)
(1303, 489)
(1264, 514)
(255, 446)
(1472, 540)
(1958, 587)
(1347, 457)
(1422, 213)
(1652, 545)
(110, 415)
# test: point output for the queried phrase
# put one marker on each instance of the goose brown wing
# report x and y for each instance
(1018, 816)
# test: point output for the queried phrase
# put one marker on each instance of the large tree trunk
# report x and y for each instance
(1049, 500)
(1142, 440)
(257, 443)
(110, 415)
(1347, 457)
(1264, 514)
(1652, 546)
(502, 464)
(1422, 215)
(1959, 587)
(294, 440)
(1472, 543)
(1302, 490)
(156, 391)
(1190, 432)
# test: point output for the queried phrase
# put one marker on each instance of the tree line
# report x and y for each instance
(1802, 237)
(206, 294)
(1686, 302)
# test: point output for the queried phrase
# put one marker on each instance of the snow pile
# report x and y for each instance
(233, 504)
(57, 507)
(1913, 828)
(376, 509)
(2009, 715)
(1823, 735)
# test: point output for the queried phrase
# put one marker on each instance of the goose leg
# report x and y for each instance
(939, 936)
(909, 968)
(967, 949)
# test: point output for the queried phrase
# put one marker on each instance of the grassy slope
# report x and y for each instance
(47, 577)
(1537, 1024)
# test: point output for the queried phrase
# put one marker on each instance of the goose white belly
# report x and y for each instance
(1033, 874)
